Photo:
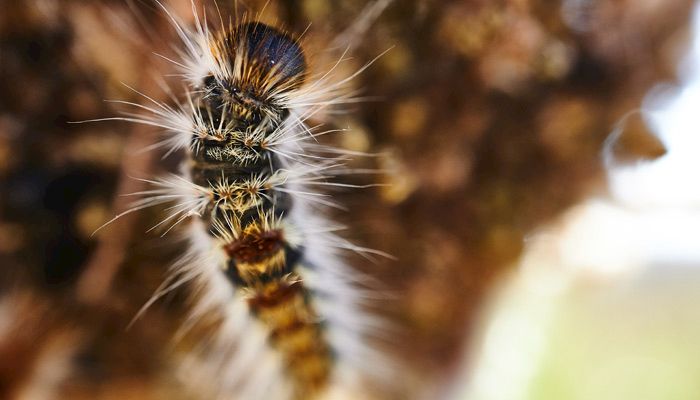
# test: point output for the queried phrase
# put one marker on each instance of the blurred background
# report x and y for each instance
(541, 198)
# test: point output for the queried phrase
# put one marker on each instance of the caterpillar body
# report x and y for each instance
(247, 204)
(261, 253)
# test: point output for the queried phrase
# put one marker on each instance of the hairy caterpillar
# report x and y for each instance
(262, 256)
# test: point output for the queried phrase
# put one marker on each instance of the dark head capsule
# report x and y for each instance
(265, 64)
(279, 56)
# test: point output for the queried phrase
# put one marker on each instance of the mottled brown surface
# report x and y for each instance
(489, 118)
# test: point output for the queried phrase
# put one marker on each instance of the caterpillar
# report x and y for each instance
(261, 254)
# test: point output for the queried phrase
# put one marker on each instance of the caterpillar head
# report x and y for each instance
(260, 67)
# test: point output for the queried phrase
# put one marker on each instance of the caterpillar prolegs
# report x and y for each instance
(262, 254)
